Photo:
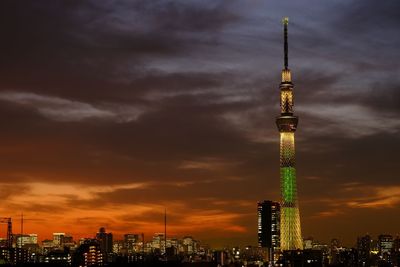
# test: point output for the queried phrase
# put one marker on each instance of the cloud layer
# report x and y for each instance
(110, 112)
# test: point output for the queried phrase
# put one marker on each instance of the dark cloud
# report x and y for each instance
(383, 96)
(362, 18)
(181, 96)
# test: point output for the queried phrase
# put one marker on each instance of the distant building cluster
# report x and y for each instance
(101, 250)
(133, 250)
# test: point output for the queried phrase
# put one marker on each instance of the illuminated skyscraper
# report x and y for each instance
(287, 124)
(269, 227)
(268, 224)
(385, 246)
(106, 242)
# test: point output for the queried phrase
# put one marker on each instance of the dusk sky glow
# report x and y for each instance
(111, 111)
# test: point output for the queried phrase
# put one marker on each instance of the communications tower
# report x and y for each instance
(287, 123)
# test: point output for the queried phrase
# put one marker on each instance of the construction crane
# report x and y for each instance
(8, 221)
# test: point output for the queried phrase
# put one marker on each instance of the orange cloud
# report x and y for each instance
(48, 208)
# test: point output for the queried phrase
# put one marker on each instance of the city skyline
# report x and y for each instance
(112, 112)
(133, 249)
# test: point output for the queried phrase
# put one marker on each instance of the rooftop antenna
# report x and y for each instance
(165, 230)
(285, 22)
(22, 227)
(19, 252)
(143, 245)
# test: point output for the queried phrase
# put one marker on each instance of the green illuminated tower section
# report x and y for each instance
(287, 123)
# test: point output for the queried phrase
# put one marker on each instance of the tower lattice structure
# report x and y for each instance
(287, 123)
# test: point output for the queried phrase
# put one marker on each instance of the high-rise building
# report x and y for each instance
(106, 243)
(364, 250)
(334, 251)
(396, 251)
(287, 123)
(88, 254)
(131, 243)
(158, 243)
(385, 246)
(268, 224)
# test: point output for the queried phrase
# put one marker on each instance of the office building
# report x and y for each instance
(88, 254)
(105, 241)
(269, 227)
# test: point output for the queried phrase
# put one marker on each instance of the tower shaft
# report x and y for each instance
(287, 124)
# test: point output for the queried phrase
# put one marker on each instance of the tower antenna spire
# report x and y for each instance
(285, 22)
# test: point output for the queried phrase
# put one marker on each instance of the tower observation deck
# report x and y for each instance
(287, 124)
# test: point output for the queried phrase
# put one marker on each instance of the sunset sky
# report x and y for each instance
(111, 111)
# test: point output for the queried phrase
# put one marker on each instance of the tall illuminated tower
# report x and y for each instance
(287, 123)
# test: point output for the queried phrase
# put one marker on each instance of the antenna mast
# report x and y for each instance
(285, 22)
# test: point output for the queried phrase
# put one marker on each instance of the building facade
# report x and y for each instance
(105, 241)
(385, 246)
(88, 254)
(364, 250)
(268, 224)
(269, 227)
